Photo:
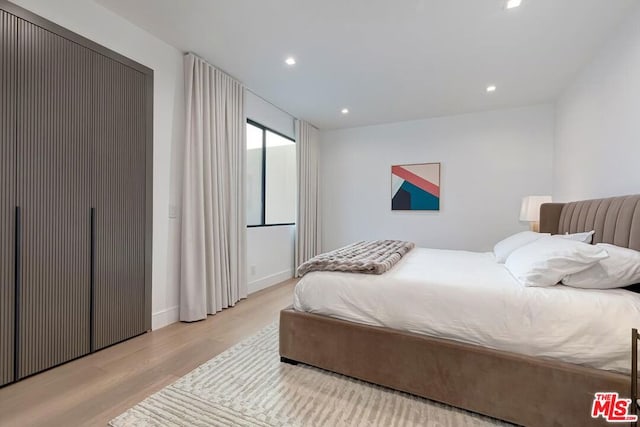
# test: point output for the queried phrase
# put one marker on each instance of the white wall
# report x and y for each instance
(268, 115)
(269, 249)
(104, 27)
(597, 150)
(269, 256)
(489, 162)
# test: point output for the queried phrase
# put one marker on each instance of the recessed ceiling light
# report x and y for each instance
(511, 4)
(345, 111)
(491, 88)
(290, 61)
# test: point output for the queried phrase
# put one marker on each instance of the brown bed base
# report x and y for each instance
(520, 389)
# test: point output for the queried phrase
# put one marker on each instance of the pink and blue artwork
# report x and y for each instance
(415, 187)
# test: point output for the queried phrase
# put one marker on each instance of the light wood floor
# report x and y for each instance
(93, 390)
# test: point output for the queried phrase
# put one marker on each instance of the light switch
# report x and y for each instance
(173, 211)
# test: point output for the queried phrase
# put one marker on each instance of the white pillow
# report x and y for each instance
(586, 237)
(505, 247)
(547, 261)
(622, 268)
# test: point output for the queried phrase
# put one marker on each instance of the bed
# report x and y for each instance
(493, 368)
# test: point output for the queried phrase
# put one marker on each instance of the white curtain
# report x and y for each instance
(308, 239)
(213, 251)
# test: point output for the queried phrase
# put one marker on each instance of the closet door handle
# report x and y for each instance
(92, 275)
(17, 273)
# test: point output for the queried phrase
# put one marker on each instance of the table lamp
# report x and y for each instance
(530, 210)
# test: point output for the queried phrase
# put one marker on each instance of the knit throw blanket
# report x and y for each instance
(375, 257)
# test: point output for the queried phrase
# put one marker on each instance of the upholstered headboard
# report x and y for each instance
(616, 220)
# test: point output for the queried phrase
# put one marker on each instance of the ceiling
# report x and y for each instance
(387, 60)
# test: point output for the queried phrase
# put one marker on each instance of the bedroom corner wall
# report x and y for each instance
(598, 128)
(490, 161)
(106, 28)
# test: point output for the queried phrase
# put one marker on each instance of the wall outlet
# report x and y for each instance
(253, 270)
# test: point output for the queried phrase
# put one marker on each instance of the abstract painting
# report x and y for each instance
(415, 187)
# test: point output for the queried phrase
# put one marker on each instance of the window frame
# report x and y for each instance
(264, 130)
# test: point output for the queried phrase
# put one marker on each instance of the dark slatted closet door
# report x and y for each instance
(8, 28)
(54, 182)
(119, 202)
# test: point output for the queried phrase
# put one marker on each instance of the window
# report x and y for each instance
(271, 177)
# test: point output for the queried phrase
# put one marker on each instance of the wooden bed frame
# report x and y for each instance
(520, 389)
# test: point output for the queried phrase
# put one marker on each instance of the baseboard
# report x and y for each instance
(170, 315)
(165, 317)
(273, 279)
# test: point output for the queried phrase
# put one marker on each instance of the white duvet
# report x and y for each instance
(469, 297)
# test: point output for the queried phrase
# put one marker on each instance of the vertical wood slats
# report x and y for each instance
(54, 183)
(75, 135)
(119, 200)
(8, 40)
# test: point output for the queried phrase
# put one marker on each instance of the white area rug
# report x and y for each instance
(248, 386)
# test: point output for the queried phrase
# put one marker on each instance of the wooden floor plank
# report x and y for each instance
(94, 389)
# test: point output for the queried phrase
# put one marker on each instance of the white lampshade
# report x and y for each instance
(530, 209)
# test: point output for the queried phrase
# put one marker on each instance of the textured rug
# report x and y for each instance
(248, 386)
